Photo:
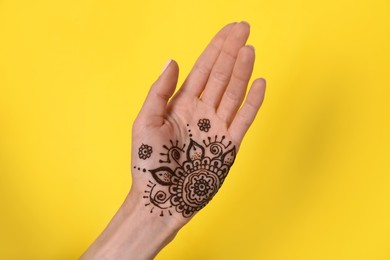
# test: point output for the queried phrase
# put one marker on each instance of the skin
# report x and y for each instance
(214, 89)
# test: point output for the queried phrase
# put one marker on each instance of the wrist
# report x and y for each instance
(133, 233)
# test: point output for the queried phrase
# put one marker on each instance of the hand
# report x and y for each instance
(183, 147)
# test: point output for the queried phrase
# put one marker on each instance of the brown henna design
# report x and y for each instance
(187, 179)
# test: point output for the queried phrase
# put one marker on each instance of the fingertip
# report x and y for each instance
(251, 47)
(247, 52)
(264, 80)
(260, 83)
(173, 64)
(246, 27)
(242, 29)
(170, 72)
(166, 65)
(225, 29)
(257, 92)
(246, 23)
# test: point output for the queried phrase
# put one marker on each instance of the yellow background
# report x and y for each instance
(312, 180)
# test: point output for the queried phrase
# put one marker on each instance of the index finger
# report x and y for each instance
(197, 78)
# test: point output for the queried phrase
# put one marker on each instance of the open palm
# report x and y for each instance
(184, 146)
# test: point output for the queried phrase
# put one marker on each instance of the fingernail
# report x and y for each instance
(245, 22)
(265, 81)
(251, 46)
(166, 65)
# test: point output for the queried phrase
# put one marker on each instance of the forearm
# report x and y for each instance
(133, 233)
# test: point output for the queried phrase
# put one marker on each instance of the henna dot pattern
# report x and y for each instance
(204, 125)
(145, 151)
(139, 168)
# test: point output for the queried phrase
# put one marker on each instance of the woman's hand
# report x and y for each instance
(184, 146)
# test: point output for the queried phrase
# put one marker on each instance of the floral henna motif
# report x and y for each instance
(204, 125)
(145, 151)
(192, 177)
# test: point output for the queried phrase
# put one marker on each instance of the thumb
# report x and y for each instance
(154, 107)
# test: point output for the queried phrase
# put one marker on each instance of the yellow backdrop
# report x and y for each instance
(312, 180)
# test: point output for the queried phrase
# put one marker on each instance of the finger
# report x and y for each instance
(248, 111)
(154, 107)
(197, 78)
(235, 91)
(222, 70)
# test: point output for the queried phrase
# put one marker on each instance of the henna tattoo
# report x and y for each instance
(158, 196)
(190, 177)
(189, 132)
(173, 152)
(145, 151)
(204, 125)
(138, 168)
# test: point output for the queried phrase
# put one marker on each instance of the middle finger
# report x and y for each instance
(222, 70)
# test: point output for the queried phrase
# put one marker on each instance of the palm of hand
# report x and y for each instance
(183, 149)
(192, 155)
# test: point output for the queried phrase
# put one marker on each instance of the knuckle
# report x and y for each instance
(229, 54)
(252, 106)
(244, 120)
(161, 95)
(240, 78)
(202, 69)
(232, 97)
(221, 76)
